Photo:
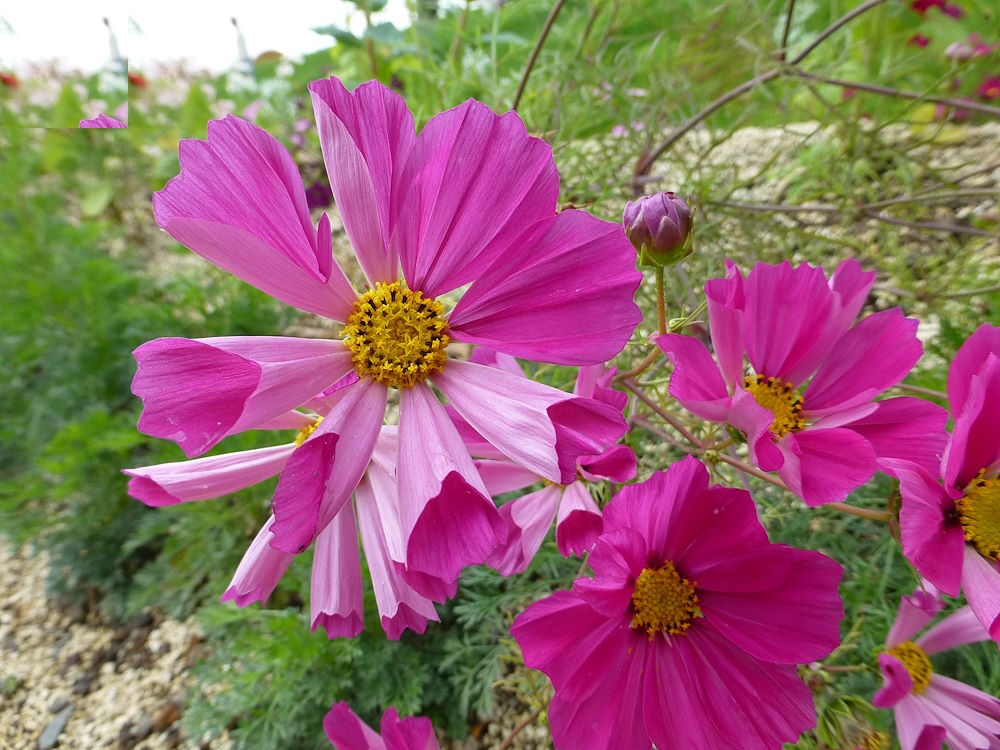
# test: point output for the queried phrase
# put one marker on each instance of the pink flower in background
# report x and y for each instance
(689, 632)
(980, 48)
(930, 708)
(922, 6)
(951, 531)
(808, 406)
(103, 121)
(347, 732)
(989, 88)
(919, 40)
(529, 517)
(469, 203)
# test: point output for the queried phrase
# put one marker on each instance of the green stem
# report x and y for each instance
(661, 305)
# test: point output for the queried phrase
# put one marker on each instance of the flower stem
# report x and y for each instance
(661, 304)
(853, 510)
(534, 52)
(517, 730)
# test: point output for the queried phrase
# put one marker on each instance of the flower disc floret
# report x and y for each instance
(779, 398)
(306, 431)
(916, 662)
(397, 336)
(979, 514)
(663, 601)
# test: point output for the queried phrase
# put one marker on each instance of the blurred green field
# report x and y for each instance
(86, 276)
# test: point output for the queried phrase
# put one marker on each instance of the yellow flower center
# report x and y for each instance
(397, 336)
(779, 398)
(979, 513)
(663, 601)
(306, 431)
(916, 662)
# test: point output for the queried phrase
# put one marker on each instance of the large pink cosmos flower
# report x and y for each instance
(336, 598)
(807, 407)
(529, 517)
(347, 732)
(688, 634)
(951, 532)
(470, 202)
(931, 708)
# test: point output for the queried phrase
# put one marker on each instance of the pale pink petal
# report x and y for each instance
(410, 733)
(981, 586)
(617, 463)
(477, 187)
(528, 519)
(547, 304)
(537, 426)
(399, 606)
(323, 472)
(908, 429)
(934, 546)
(971, 697)
(968, 361)
(290, 420)
(579, 522)
(915, 733)
(336, 601)
(239, 203)
(732, 700)
(483, 355)
(823, 466)
(874, 355)
(347, 732)
(198, 391)
(975, 438)
(204, 478)
(725, 316)
(785, 316)
(366, 137)
(502, 476)
(957, 629)
(915, 611)
(964, 725)
(897, 683)
(696, 381)
(447, 516)
(476, 444)
(259, 571)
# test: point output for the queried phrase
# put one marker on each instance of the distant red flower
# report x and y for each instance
(137, 79)
(989, 88)
(919, 40)
(9, 80)
(922, 6)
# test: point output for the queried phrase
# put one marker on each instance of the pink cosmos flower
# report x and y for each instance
(336, 598)
(347, 732)
(103, 121)
(688, 633)
(951, 531)
(989, 88)
(919, 40)
(930, 708)
(529, 517)
(469, 203)
(808, 406)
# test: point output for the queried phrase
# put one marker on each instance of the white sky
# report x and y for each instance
(198, 30)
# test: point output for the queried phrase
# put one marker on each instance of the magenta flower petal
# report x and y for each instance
(968, 361)
(323, 472)
(336, 601)
(725, 314)
(897, 682)
(446, 513)
(259, 571)
(915, 611)
(754, 421)
(957, 629)
(411, 733)
(578, 522)
(198, 391)
(790, 620)
(347, 732)
(696, 381)
(239, 203)
(103, 121)
(528, 519)
(975, 438)
(935, 548)
(981, 585)
(502, 476)
(366, 137)
(477, 188)
(874, 355)
(204, 478)
(617, 463)
(539, 427)
(786, 312)
(908, 429)
(595, 381)
(823, 466)
(547, 303)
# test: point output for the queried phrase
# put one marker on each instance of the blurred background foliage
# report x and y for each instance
(85, 277)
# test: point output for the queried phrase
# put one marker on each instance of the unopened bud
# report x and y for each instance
(659, 226)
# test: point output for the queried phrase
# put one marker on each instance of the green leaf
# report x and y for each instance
(96, 197)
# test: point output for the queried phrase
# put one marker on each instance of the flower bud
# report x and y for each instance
(659, 226)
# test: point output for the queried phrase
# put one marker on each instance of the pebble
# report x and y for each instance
(58, 705)
(50, 736)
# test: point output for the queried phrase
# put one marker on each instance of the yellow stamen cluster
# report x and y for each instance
(916, 662)
(397, 336)
(306, 431)
(779, 398)
(979, 513)
(663, 601)
(875, 740)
